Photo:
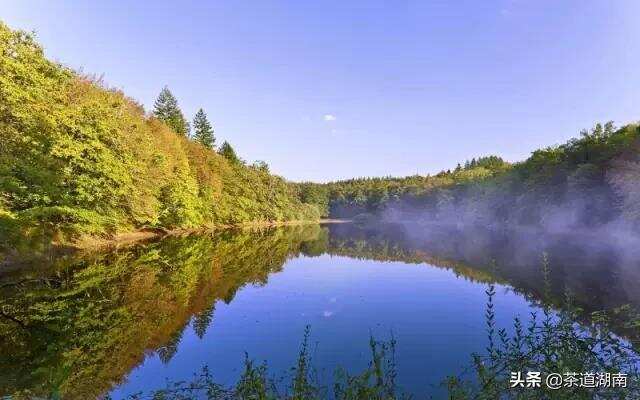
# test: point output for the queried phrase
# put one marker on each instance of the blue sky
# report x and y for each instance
(334, 89)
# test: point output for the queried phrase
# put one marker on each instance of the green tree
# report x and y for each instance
(228, 152)
(202, 130)
(167, 110)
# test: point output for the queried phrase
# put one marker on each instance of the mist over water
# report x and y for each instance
(163, 309)
(597, 219)
(600, 267)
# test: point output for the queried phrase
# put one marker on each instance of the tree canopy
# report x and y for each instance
(78, 158)
(202, 130)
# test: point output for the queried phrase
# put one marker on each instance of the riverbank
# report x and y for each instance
(18, 259)
(128, 238)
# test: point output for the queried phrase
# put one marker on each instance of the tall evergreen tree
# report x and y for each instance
(228, 152)
(167, 110)
(202, 130)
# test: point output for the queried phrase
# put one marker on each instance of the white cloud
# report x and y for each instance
(327, 314)
(329, 117)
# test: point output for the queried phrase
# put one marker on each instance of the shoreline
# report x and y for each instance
(88, 244)
(135, 236)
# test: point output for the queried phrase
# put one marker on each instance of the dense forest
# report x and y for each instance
(77, 157)
(588, 181)
(80, 158)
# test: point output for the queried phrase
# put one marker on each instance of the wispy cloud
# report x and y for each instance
(329, 117)
(509, 7)
(327, 314)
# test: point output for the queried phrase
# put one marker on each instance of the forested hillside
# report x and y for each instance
(592, 180)
(79, 158)
(369, 195)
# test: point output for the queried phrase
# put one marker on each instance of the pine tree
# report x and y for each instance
(167, 110)
(202, 130)
(228, 152)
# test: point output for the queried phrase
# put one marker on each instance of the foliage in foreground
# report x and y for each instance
(376, 382)
(554, 344)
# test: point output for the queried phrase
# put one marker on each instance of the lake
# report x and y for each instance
(129, 320)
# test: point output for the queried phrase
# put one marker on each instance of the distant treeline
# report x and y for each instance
(78, 158)
(588, 181)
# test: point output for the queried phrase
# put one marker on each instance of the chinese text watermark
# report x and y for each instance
(532, 379)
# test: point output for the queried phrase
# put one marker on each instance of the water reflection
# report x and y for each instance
(79, 326)
(80, 329)
(599, 274)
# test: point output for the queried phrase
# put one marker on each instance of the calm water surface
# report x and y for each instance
(128, 321)
(436, 318)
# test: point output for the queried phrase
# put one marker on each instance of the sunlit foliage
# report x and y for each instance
(369, 195)
(79, 158)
